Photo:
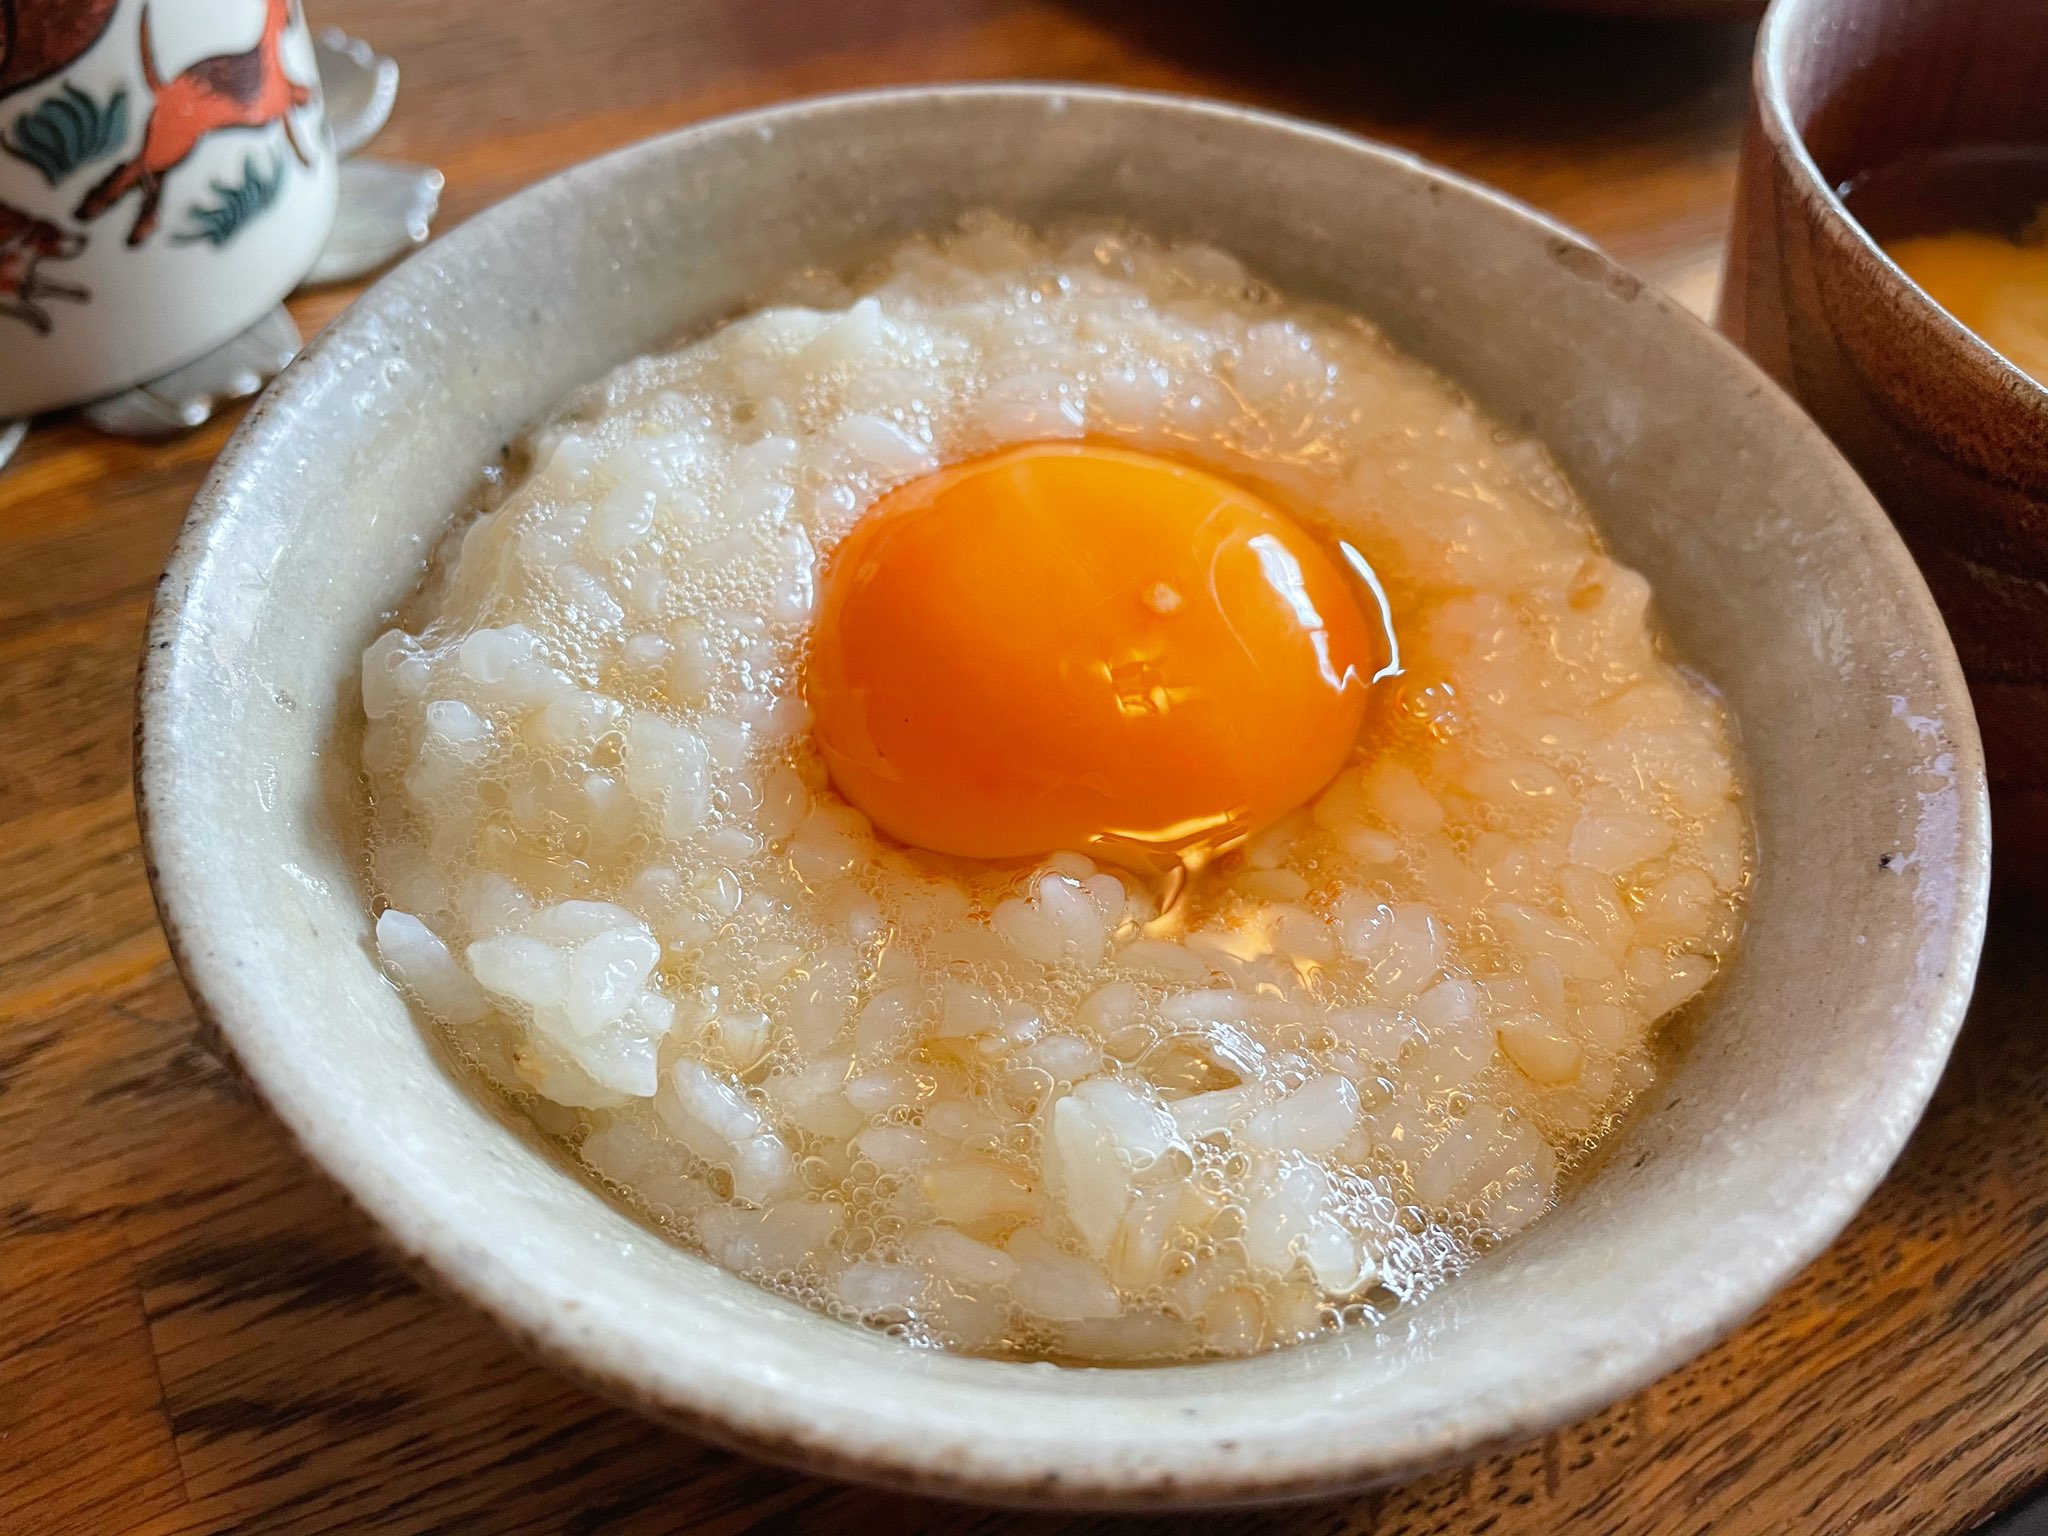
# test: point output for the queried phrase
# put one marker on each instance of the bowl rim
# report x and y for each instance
(1784, 24)
(771, 1428)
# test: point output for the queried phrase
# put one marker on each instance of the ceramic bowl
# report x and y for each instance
(1951, 437)
(1774, 571)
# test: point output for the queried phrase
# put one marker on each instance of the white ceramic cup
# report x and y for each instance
(166, 176)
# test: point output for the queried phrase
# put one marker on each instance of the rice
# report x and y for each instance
(1039, 1111)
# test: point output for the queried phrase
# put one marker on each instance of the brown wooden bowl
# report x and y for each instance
(1951, 436)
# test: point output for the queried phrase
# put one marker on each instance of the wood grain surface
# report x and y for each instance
(196, 1336)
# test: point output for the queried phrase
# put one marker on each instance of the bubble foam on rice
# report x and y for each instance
(1020, 1111)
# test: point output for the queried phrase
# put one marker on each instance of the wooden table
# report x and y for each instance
(195, 1335)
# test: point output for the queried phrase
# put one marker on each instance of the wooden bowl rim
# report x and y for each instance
(1788, 24)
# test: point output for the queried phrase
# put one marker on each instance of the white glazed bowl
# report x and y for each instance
(1774, 571)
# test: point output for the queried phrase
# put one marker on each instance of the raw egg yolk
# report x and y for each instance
(1062, 643)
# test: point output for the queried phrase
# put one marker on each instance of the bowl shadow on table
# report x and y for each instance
(1455, 68)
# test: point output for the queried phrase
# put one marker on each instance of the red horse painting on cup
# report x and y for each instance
(231, 90)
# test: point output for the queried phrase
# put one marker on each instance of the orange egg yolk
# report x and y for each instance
(1065, 643)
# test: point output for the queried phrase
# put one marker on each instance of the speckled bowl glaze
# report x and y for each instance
(1951, 437)
(1774, 571)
